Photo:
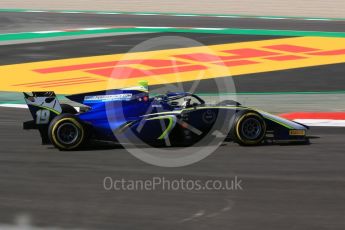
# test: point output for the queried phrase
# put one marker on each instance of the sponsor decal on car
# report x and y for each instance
(209, 116)
(297, 132)
(107, 98)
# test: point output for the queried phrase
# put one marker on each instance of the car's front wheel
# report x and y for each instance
(249, 128)
(66, 132)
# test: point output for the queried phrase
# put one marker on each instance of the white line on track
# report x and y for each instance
(322, 122)
(47, 32)
(200, 28)
(36, 11)
(226, 16)
(23, 106)
(20, 106)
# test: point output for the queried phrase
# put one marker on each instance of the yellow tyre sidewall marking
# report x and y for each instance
(238, 129)
(72, 120)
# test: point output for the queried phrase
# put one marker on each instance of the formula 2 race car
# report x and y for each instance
(172, 119)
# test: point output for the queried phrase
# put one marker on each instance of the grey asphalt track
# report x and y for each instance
(284, 187)
(22, 53)
(25, 22)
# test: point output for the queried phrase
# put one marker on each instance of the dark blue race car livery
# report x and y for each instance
(130, 115)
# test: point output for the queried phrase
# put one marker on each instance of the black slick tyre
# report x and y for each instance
(249, 128)
(66, 132)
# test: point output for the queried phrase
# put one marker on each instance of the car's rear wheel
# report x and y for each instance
(249, 128)
(66, 132)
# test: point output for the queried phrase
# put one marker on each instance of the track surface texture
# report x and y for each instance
(311, 8)
(24, 22)
(284, 187)
(22, 53)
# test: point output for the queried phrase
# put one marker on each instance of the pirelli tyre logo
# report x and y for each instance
(174, 65)
(297, 132)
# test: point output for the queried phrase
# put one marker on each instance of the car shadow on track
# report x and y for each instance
(102, 145)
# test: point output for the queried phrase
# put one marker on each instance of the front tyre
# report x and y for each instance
(249, 128)
(66, 132)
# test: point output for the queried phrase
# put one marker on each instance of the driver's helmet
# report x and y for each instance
(186, 102)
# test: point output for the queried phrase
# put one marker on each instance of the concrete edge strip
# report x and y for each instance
(146, 29)
(19, 106)
(327, 119)
(312, 120)
(172, 14)
(23, 106)
(321, 122)
(314, 115)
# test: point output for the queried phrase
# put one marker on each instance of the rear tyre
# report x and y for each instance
(66, 132)
(249, 128)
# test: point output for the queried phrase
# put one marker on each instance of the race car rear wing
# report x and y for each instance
(44, 107)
